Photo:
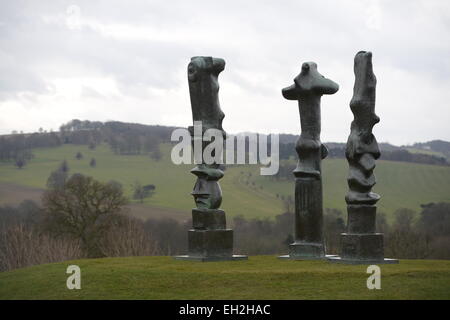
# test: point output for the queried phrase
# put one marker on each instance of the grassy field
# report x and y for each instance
(261, 277)
(245, 191)
(173, 183)
(400, 184)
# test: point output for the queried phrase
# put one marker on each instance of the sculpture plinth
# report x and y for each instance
(209, 239)
(308, 88)
(361, 244)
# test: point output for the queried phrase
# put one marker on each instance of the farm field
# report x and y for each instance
(173, 183)
(401, 185)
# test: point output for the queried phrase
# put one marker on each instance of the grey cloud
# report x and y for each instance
(40, 48)
(257, 38)
(16, 78)
(88, 92)
(320, 30)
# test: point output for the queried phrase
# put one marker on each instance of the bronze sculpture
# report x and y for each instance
(308, 88)
(361, 244)
(209, 239)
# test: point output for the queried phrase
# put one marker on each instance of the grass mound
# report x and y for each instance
(261, 277)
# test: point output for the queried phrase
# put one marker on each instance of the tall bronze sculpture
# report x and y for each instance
(308, 88)
(361, 244)
(209, 239)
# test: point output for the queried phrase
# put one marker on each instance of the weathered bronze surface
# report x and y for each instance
(361, 244)
(203, 73)
(308, 88)
(209, 239)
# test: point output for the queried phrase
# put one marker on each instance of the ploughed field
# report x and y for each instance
(261, 277)
(245, 192)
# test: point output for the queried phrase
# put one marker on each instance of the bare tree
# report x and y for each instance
(127, 237)
(83, 209)
(22, 246)
(58, 178)
(20, 162)
(403, 240)
(141, 192)
(156, 154)
(64, 167)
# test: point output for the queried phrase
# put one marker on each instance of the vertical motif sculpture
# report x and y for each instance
(308, 88)
(361, 244)
(209, 239)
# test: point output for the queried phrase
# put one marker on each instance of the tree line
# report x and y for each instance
(122, 138)
(132, 139)
(18, 146)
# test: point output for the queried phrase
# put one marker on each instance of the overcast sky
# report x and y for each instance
(127, 60)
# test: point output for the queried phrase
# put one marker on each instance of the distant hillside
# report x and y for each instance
(435, 152)
(401, 185)
(436, 146)
(133, 138)
(388, 152)
(383, 146)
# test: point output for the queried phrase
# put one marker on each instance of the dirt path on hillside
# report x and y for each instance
(11, 194)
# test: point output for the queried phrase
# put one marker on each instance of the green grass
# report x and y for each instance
(173, 183)
(261, 277)
(401, 185)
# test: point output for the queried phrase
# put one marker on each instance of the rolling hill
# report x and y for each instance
(401, 185)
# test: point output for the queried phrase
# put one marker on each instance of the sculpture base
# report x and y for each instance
(362, 248)
(305, 251)
(208, 219)
(210, 240)
(337, 259)
(211, 259)
(210, 243)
